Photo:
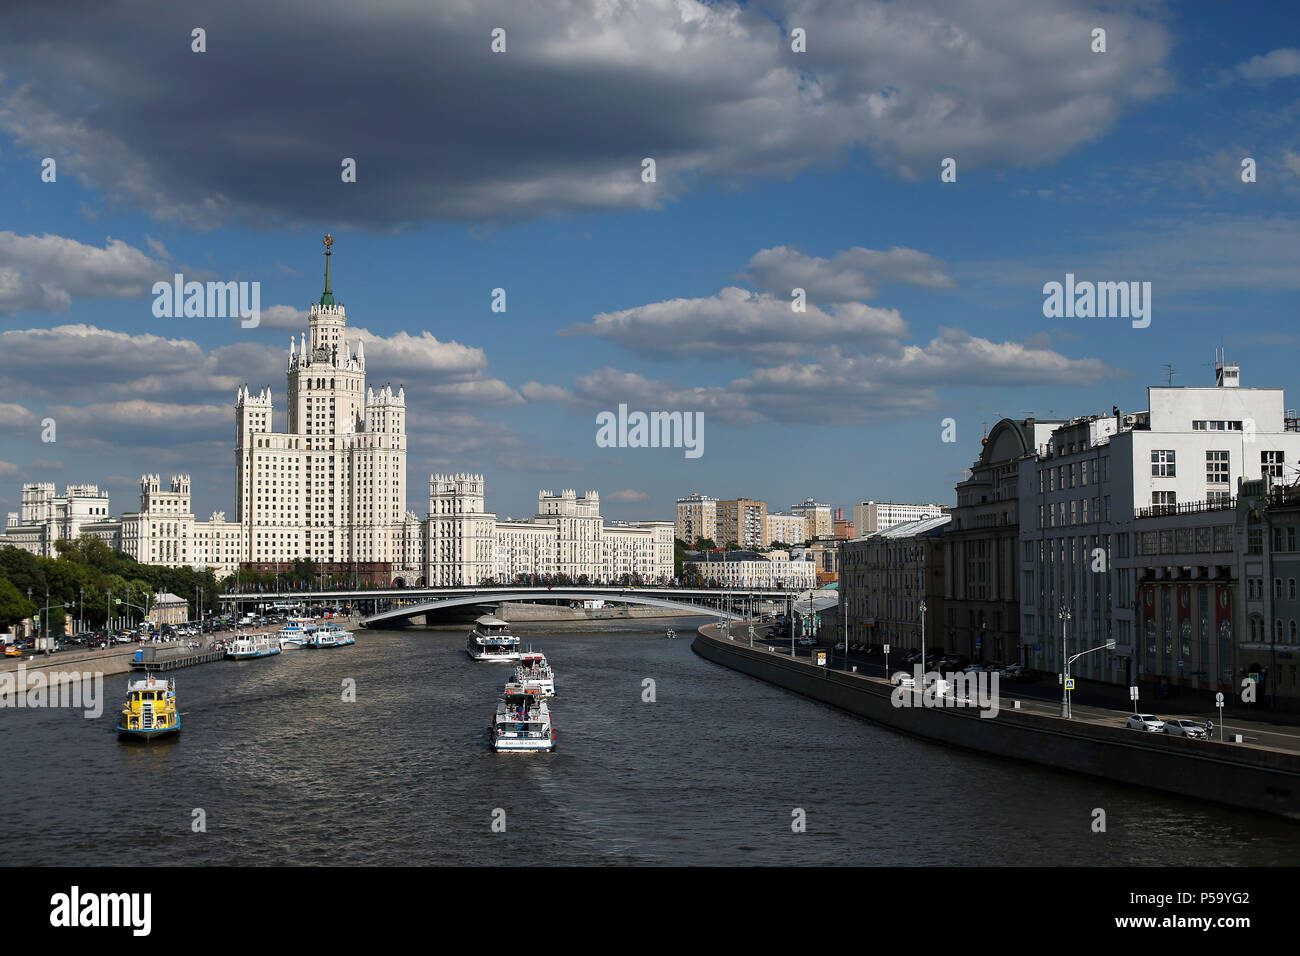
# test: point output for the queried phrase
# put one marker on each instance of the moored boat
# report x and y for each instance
(150, 710)
(491, 640)
(249, 646)
(296, 633)
(331, 635)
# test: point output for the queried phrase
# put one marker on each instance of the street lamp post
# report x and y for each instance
(1109, 645)
(923, 643)
(1064, 615)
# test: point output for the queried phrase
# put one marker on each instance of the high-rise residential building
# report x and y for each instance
(697, 517)
(331, 487)
(1084, 495)
(742, 520)
(821, 522)
(785, 529)
(872, 516)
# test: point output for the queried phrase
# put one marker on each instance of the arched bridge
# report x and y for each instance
(687, 600)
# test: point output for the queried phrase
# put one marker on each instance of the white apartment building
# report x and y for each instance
(750, 570)
(466, 545)
(870, 517)
(697, 517)
(1080, 494)
(45, 517)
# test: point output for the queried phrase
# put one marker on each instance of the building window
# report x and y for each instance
(1162, 463)
(1271, 462)
(1164, 500)
(1277, 588)
(1216, 467)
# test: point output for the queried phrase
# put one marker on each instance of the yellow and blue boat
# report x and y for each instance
(150, 710)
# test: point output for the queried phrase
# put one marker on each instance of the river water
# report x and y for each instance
(711, 772)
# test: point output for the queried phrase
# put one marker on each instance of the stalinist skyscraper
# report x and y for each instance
(332, 486)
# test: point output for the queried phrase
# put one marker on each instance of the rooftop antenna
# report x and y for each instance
(1169, 372)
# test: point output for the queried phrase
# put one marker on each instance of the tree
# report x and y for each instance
(705, 544)
(14, 606)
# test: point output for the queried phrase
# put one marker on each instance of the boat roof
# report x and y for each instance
(491, 621)
(149, 683)
(532, 656)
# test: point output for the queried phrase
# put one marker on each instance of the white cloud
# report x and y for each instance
(627, 494)
(739, 322)
(47, 272)
(1275, 65)
(855, 273)
(284, 317)
(539, 392)
(838, 388)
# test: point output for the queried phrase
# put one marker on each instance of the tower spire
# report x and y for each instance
(328, 297)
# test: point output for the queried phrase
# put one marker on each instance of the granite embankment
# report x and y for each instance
(1240, 775)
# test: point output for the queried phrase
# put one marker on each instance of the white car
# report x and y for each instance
(1148, 722)
(903, 679)
(1184, 728)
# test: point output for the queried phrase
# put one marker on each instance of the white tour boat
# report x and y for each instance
(523, 722)
(534, 671)
(248, 646)
(332, 635)
(296, 633)
(491, 640)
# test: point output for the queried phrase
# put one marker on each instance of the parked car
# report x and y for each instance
(13, 650)
(1181, 727)
(1013, 672)
(1148, 722)
(911, 657)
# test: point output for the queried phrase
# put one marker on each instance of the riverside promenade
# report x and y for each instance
(70, 665)
(1246, 775)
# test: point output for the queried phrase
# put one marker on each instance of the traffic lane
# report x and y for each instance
(1044, 702)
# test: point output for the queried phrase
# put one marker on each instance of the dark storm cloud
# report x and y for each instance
(257, 126)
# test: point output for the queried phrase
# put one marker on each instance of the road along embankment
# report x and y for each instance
(1239, 775)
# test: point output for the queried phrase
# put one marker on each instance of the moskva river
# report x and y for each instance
(718, 768)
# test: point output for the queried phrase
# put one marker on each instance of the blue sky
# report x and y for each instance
(521, 171)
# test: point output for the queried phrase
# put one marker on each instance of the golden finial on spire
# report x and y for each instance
(329, 241)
